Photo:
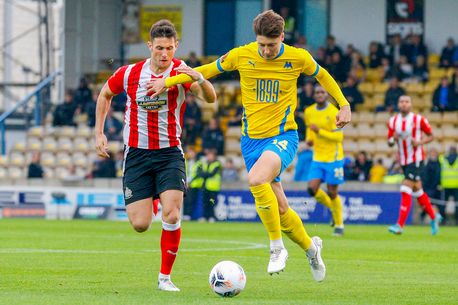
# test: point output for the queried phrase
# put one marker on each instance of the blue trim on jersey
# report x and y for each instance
(316, 71)
(282, 50)
(283, 122)
(245, 123)
(218, 65)
(321, 109)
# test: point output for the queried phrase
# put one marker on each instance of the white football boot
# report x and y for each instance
(277, 262)
(164, 283)
(316, 263)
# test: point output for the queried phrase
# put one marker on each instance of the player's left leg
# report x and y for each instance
(425, 203)
(336, 209)
(172, 201)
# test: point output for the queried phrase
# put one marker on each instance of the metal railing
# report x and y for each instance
(37, 112)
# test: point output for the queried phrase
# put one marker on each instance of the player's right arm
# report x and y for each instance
(309, 135)
(392, 136)
(101, 111)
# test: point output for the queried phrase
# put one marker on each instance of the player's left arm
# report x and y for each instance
(335, 135)
(330, 85)
(427, 130)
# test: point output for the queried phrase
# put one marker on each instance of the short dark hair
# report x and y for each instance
(163, 28)
(268, 24)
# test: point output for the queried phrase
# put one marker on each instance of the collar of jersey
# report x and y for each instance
(318, 109)
(166, 72)
(282, 49)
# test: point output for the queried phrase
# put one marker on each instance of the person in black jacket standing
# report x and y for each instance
(431, 179)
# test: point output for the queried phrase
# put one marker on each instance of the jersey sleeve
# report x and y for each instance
(425, 126)
(229, 61)
(116, 81)
(310, 68)
(390, 126)
(186, 86)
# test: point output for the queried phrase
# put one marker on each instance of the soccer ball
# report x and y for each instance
(227, 279)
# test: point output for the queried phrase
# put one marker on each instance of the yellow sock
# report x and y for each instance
(323, 198)
(291, 225)
(337, 213)
(267, 208)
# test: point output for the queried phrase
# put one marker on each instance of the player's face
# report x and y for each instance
(162, 51)
(320, 95)
(269, 47)
(405, 104)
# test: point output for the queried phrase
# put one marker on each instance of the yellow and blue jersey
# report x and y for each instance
(327, 143)
(269, 87)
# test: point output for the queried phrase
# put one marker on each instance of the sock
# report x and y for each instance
(291, 225)
(278, 243)
(170, 241)
(423, 200)
(323, 198)
(155, 206)
(267, 208)
(406, 203)
(336, 210)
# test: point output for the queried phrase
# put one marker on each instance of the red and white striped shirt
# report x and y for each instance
(150, 123)
(408, 128)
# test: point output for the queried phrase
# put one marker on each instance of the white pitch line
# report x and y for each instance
(244, 246)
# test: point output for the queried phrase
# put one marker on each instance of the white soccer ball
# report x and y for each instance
(227, 279)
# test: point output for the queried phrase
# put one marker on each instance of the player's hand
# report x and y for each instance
(314, 128)
(309, 144)
(190, 71)
(344, 116)
(396, 136)
(101, 145)
(415, 143)
(155, 87)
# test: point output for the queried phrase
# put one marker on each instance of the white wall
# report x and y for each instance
(192, 29)
(441, 22)
(358, 22)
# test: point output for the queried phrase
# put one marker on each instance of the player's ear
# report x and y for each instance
(150, 45)
(176, 43)
(282, 36)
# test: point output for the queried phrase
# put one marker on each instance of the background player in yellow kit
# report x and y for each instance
(327, 165)
(269, 70)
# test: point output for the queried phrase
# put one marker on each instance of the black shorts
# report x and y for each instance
(148, 173)
(413, 171)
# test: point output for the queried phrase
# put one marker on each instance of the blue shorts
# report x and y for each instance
(284, 145)
(329, 172)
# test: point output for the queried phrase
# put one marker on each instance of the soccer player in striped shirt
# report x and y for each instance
(154, 164)
(269, 70)
(410, 131)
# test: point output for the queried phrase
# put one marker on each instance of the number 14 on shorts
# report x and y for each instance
(282, 145)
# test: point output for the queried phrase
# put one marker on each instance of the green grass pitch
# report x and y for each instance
(103, 262)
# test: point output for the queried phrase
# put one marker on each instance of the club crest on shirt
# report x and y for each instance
(151, 104)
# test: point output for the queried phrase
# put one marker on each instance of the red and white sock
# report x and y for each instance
(170, 241)
(406, 203)
(423, 200)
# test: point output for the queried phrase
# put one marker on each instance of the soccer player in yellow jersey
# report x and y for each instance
(269, 70)
(327, 165)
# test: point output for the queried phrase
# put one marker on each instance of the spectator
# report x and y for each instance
(304, 160)
(420, 70)
(362, 167)
(449, 177)
(290, 25)
(302, 43)
(90, 109)
(118, 103)
(395, 174)
(193, 61)
(348, 168)
(35, 169)
(375, 55)
(195, 181)
(305, 95)
(64, 113)
(446, 59)
(337, 67)
(416, 48)
(113, 127)
(212, 183)
(405, 68)
(377, 172)
(394, 70)
(320, 57)
(192, 120)
(356, 67)
(331, 48)
(230, 172)
(395, 49)
(213, 137)
(236, 118)
(392, 95)
(72, 175)
(119, 163)
(454, 87)
(431, 178)
(104, 167)
(83, 95)
(299, 119)
(351, 92)
(442, 97)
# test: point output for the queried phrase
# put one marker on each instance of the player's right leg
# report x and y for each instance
(316, 175)
(337, 213)
(292, 226)
(264, 170)
(404, 209)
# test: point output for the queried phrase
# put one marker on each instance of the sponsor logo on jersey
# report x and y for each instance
(288, 65)
(252, 63)
(151, 104)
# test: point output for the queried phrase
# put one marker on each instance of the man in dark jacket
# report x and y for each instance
(64, 113)
(431, 179)
(35, 170)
